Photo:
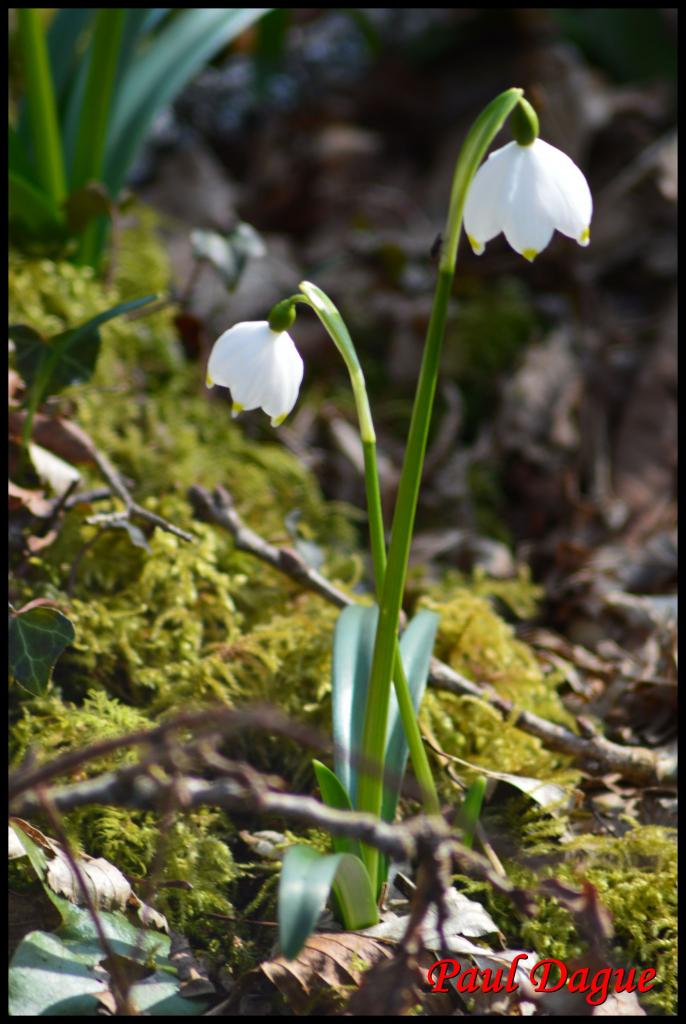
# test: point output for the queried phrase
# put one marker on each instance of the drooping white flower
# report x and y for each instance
(262, 367)
(527, 192)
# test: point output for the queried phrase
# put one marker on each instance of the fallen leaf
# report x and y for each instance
(327, 964)
(58, 435)
(35, 501)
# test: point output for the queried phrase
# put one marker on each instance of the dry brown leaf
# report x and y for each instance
(34, 501)
(106, 884)
(60, 436)
(390, 988)
(328, 964)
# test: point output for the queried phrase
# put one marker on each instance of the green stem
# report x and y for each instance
(335, 327)
(42, 109)
(479, 138)
(418, 755)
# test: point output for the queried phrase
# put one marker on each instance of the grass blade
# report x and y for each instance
(64, 35)
(334, 795)
(94, 118)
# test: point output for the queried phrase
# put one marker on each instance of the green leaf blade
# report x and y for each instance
(416, 645)
(335, 795)
(307, 879)
(36, 640)
(159, 73)
(353, 647)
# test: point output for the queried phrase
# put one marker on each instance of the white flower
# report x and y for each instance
(527, 192)
(262, 367)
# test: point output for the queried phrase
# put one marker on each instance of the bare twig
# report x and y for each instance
(219, 508)
(246, 790)
(594, 754)
(118, 486)
(204, 723)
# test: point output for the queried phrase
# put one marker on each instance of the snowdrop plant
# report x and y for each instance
(526, 189)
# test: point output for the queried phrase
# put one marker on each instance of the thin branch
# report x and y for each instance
(248, 791)
(594, 754)
(219, 508)
(114, 479)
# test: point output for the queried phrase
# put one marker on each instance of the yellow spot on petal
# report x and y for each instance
(477, 247)
(530, 255)
(585, 236)
(276, 421)
(209, 383)
(236, 408)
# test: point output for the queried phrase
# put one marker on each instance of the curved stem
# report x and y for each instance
(335, 327)
(486, 126)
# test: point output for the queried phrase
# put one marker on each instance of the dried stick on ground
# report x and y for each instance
(243, 789)
(594, 754)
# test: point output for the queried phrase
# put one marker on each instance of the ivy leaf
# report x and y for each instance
(37, 637)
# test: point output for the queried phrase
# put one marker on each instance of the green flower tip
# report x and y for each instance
(282, 316)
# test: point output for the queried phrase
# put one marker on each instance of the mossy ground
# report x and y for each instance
(175, 625)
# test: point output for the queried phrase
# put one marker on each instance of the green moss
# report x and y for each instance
(476, 642)
(635, 875)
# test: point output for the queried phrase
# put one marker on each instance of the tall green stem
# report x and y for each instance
(335, 327)
(479, 138)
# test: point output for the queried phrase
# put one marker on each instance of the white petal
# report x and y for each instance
(564, 191)
(487, 199)
(528, 225)
(282, 383)
(235, 352)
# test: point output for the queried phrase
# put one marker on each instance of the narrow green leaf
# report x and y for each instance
(157, 75)
(31, 208)
(102, 66)
(306, 880)
(36, 640)
(18, 159)
(94, 116)
(334, 795)
(353, 893)
(41, 106)
(416, 645)
(471, 809)
(353, 646)
(64, 37)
